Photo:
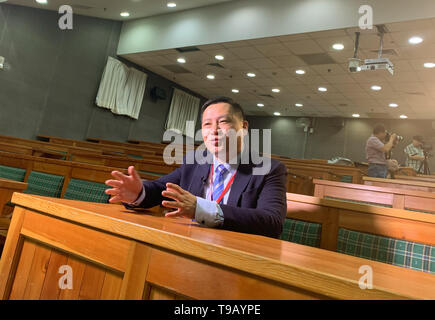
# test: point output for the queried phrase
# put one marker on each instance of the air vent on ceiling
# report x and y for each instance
(81, 7)
(317, 58)
(416, 93)
(380, 115)
(175, 68)
(267, 96)
(390, 52)
(217, 65)
(187, 49)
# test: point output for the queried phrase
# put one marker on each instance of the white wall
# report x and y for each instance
(250, 19)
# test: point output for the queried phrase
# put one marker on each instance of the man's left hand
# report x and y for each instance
(185, 202)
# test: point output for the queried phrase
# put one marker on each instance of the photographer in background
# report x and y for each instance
(414, 153)
(376, 150)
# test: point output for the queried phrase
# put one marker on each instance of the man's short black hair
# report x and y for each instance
(379, 128)
(235, 107)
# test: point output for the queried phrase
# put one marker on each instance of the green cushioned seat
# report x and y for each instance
(302, 232)
(423, 211)
(12, 173)
(44, 184)
(135, 156)
(397, 252)
(346, 179)
(361, 202)
(86, 191)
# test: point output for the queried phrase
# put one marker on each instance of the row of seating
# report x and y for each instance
(296, 229)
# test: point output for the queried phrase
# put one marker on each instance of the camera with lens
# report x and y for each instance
(396, 141)
(427, 148)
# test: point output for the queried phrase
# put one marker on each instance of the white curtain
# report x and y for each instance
(184, 107)
(121, 89)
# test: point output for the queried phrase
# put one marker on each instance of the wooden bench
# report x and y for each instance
(372, 232)
(401, 184)
(116, 254)
(388, 197)
(416, 178)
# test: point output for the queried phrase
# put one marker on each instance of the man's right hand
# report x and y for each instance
(126, 188)
(393, 137)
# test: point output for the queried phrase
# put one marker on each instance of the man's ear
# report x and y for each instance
(245, 124)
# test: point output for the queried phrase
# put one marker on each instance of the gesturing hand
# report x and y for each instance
(126, 188)
(185, 202)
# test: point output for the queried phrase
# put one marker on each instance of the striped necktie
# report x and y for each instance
(218, 183)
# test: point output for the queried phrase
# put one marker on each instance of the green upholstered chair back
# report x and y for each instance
(397, 252)
(86, 191)
(44, 184)
(12, 173)
(346, 179)
(302, 232)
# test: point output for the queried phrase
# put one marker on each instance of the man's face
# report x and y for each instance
(417, 143)
(218, 123)
(382, 135)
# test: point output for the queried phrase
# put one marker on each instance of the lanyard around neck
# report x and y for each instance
(226, 188)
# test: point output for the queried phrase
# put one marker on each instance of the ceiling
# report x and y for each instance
(111, 9)
(274, 61)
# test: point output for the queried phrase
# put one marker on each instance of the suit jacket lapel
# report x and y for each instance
(241, 180)
(199, 179)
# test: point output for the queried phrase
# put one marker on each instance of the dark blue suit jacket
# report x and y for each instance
(256, 203)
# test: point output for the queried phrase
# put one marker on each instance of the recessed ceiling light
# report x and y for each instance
(356, 115)
(322, 89)
(300, 71)
(125, 14)
(429, 65)
(403, 116)
(276, 90)
(338, 46)
(299, 105)
(235, 90)
(260, 105)
(210, 76)
(219, 57)
(250, 75)
(376, 88)
(181, 60)
(276, 114)
(415, 40)
(171, 4)
(40, 1)
(393, 105)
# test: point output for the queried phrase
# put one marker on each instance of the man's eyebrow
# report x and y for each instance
(225, 116)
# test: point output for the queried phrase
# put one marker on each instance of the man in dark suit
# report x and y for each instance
(225, 192)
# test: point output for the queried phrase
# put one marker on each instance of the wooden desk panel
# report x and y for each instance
(158, 257)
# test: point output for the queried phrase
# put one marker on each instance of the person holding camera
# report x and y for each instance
(376, 151)
(414, 153)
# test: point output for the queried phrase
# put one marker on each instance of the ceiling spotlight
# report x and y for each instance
(429, 65)
(250, 75)
(393, 105)
(235, 90)
(40, 1)
(276, 90)
(322, 89)
(299, 105)
(376, 88)
(260, 105)
(415, 40)
(338, 46)
(276, 114)
(403, 116)
(181, 60)
(300, 71)
(171, 5)
(125, 14)
(219, 57)
(356, 115)
(210, 76)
